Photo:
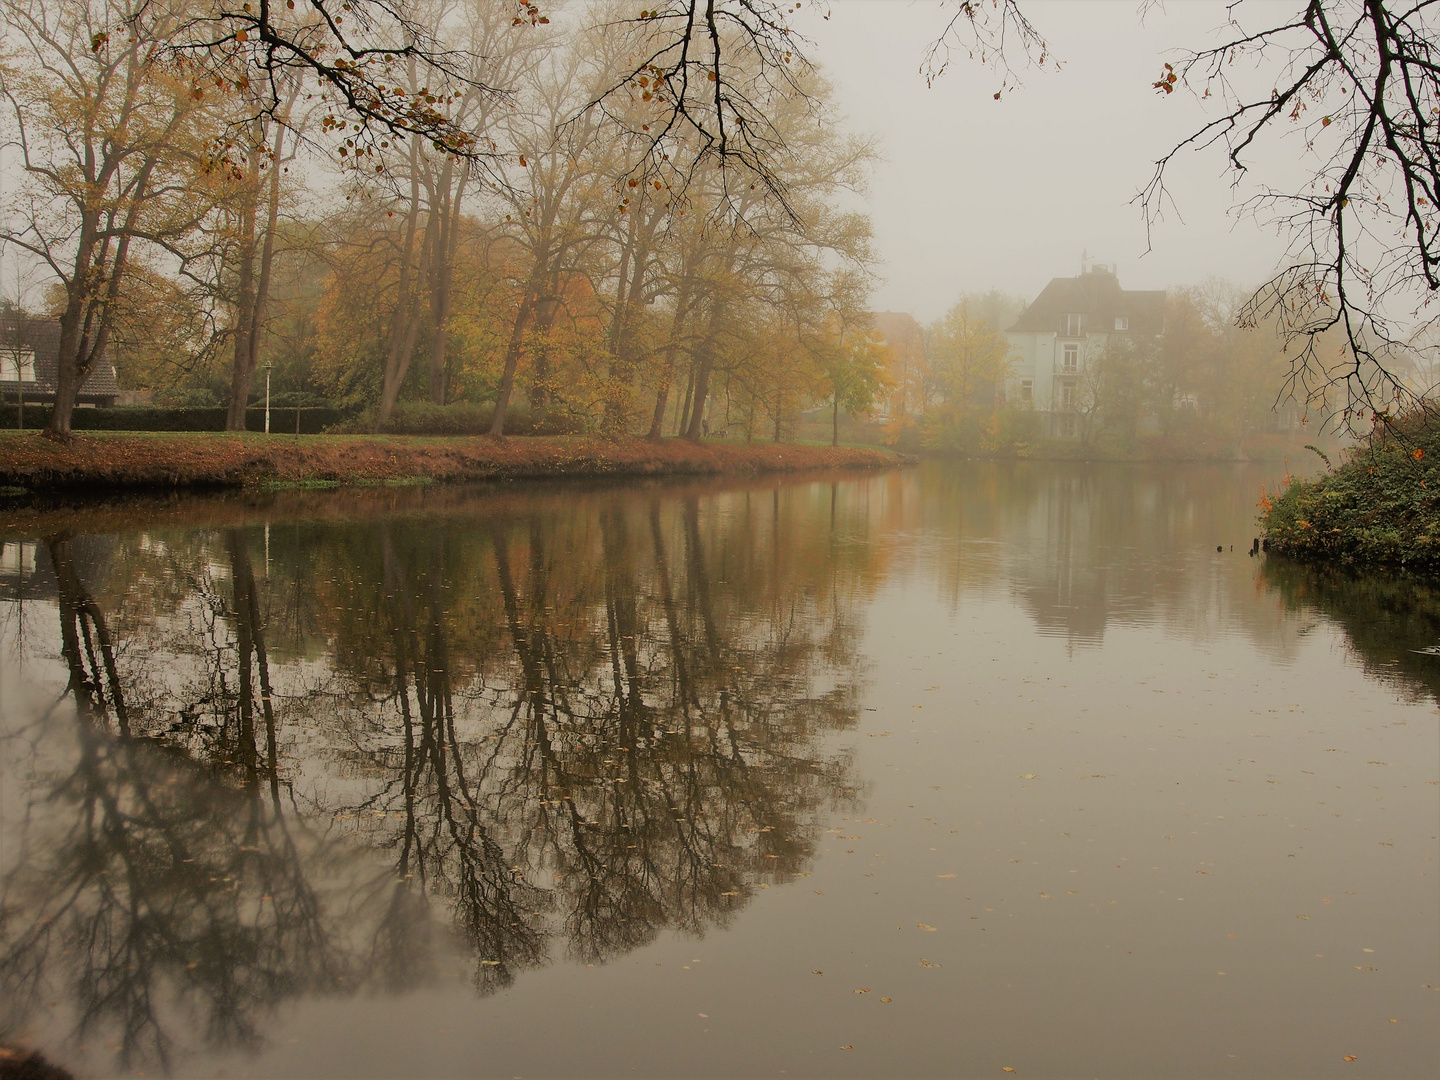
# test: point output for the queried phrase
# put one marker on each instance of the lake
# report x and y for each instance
(955, 770)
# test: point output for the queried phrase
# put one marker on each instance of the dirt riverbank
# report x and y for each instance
(117, 461)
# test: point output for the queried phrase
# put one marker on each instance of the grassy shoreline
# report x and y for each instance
(112, 461)
(1380, 506)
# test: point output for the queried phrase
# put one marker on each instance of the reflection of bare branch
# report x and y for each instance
(576, 727)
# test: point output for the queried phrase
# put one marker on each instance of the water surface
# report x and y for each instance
(926, 773)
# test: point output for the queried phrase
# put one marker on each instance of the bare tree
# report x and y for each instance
(1357, 82)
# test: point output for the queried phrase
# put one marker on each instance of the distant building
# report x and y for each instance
(1071, 320)
(29, 355)
(904, 338)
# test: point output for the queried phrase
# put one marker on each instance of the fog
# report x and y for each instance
(974, 193)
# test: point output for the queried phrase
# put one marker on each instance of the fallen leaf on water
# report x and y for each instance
(1349, 1057)
(1393, 1019)
(1006, 1068)
(1045, 895)
(732, 892)
(928, 963)
(888, 999)
(923, 926)
(1030, 776)
(817, 971)
(490, 963)
(863, 990)
(847, 1046)
(703, 1016)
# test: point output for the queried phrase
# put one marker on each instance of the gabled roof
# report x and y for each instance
(1098, 297)
(42, 336)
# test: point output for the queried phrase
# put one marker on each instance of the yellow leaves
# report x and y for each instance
(888, 1000)
(925, 926)
(863, 990)
(928, 963)
(1349, 1057)
(1007, 1068)
(944, 877)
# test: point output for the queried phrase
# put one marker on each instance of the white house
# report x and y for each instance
(1073, 318)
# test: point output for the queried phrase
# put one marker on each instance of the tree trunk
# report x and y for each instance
(667, 367)
(85, 324)
(241, 371)
(254, 293)
(835, 420)
(512, 360)
(704, 363)
(405, 324)
(442, 277)
(547, 306)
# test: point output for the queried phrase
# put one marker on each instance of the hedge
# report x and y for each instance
(160, 418)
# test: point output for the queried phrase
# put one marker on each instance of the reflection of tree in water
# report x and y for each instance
(562, 729)
(1386, 616)
(637, 749)
(144, 882)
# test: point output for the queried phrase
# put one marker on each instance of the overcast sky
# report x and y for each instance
(975, 192)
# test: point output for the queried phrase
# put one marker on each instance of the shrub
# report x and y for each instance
(1381, 505)
(161, 418)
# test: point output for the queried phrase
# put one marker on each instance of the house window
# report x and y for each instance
(1070, 358)
(19, 362)
(1122, 322)
(1069, 427)
(1067, 394)
(1027, 390)
(1074, 325)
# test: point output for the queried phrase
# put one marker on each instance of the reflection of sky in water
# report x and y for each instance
(538, 778)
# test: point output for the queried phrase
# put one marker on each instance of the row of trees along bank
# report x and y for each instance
(199, 237)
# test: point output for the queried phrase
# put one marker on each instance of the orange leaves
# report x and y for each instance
(1166, 82)
(1418, 453)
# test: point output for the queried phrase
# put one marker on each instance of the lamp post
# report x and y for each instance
(267, 399)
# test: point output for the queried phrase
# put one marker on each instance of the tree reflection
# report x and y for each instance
(542, 730)
(147, 886)
(1388, 617)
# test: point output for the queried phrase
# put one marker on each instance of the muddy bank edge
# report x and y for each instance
(225, 461)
